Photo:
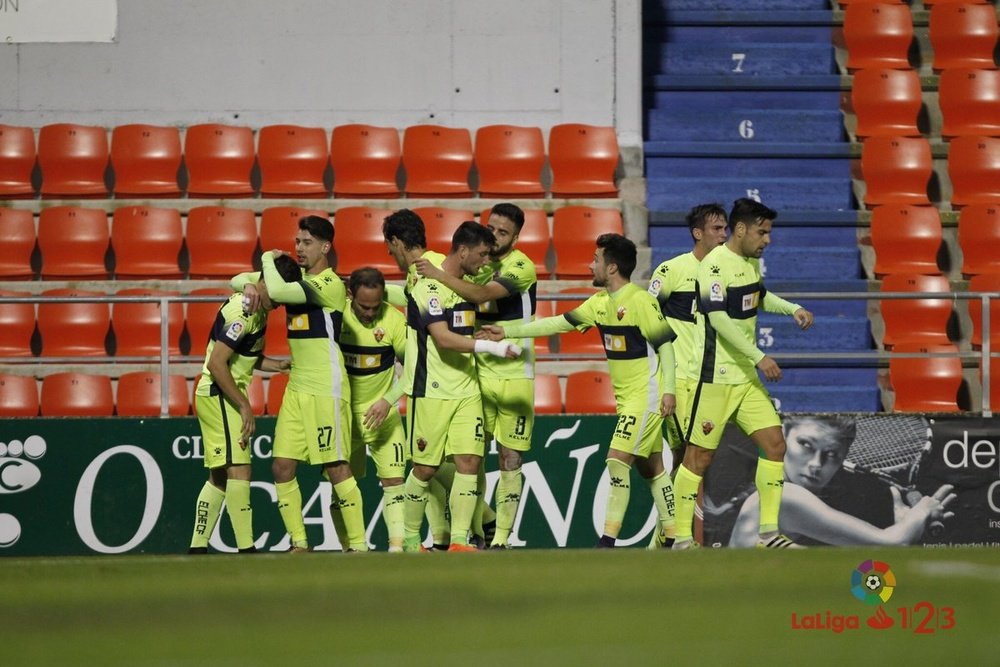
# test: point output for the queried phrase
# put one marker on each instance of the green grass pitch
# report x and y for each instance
(527, 607)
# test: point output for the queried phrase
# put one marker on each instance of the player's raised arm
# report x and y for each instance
(775, 304)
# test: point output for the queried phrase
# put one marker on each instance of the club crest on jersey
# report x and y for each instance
(434, 306)
(234, 331)
(621, 312)
(379, 334)
(654, 287)
(707, 426)
(715, 291)
(421, 444)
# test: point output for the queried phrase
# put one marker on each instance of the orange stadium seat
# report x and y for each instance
(974, 169)
(293, 161)
(440, 225)
(583, 159)
(920, 321)
(219, 159)
(147, 242)
(74, 329)
(534, 239)
(896, 170)
(878, 35)
(886, 102)
(276, 336)
(590, 392)
(985, 282)
(139, 395)
(137, 325)
(544, 308)
(931, 3)
(979, 239)
(73, 159)
(906, 239)
(221, 242)
(17, 229)
(575, 342)
(365, 161)
(574, 230)
(548, 395)
(146, 160)
(845, 3)
(18, 396)
(17, 160)
(275, 392)
(970, 102)
(437, 161)
(73, 242)
(200, 316)
(17, 324)
(280, 224)
(926, 384)
(77, 395)
(509, 160)
(360, 241)
(963, 35)
(994, 384)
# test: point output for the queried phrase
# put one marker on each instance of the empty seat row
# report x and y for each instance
(150, 242)
(293, 161)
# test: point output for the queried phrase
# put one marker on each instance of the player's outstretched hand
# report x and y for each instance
(803, 318)
(284, 366)
(376, 414)
(769, 367)
(668, 403)
(246, 432)
(426, 269)
(490, 332)
(251, 299)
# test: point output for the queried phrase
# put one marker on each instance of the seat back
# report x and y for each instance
(17, 324)
(275, 392)
(360, 241)
(979, 239)
(440, 224)
(926, 384)
(437, 161)
(970, 102)
(276, 336)
(878, 35)
(77, 395)
(574, 230)
(73, 242)
(906, 239)
(280, 224)
(886, 102)
(73, 159)
(147, 242)
(137, 325)
(17, 160)
(896, 170)
(17, 229)
(219, 159)
(548, 395)
(918, 321)
(583, 159)
(200, 317)
(963, 35)
(220, 241)
(509, 160)
(590, 392)
(18, 396)
(139, 395)
(974, 170)
(146, 160)
(365, 161)
(575, 342)
(986, 282)
(293, 161)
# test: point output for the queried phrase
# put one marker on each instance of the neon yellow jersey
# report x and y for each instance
(673, 284)
(314, 329)
(517, 274)
(431, 372)
(241, 332)
(412, 277)
(370, 353)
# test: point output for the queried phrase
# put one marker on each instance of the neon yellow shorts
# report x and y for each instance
(748, 405)
(638, 434)
(314, 429)
(509, 410)
(386, 444)
(439, 427)
(676, 425)
(220, 432)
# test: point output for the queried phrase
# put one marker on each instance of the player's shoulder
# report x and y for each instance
(391, 316)
(327, 282)
(517, 264)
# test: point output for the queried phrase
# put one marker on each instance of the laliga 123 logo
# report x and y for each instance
(17, 474)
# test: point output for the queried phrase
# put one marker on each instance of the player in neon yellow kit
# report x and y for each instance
(637, 341)
(726, 361)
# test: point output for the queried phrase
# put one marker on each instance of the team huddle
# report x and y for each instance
(682, 357)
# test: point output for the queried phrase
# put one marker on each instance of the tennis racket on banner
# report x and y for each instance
(892, 448)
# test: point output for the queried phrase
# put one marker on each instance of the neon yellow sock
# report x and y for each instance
(206, 513)
(393, 502)
(481, 506)
(240, 511)
(415, 498)
(337, 517)
(463, 498)
(351, 508)
(686, 496)
(770, 481)
(621, 489)
(290, 508)
(438, 517)
(508, 499)
(663, 498)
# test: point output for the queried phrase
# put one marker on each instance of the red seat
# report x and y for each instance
(970, 102)
(440, 225)
(548, 395)
(18, 396)
(275, 392)
(437, 161)
(979, 238)
(583, 159)
(590, 392)
(963, 35)
(986, 282)
(17, 229)
(219, 160)
(73, 159)
(974, 169)
(906, 239)
(17, 324)
(994, 384)
(926, 384)
(74, 329)
(139, 395)
(896, 170)
(147, 242)
(360, 241)
(574, 230)
(137, 325)
(533, 240)
(878, 35)
(220, 241)
(931, 3)
(886, 102)
(575, 342)
(77, 395)
(544, 308)
(276, 336)
(280, 224)
(73, 242)
(146, 160)
(919, 321)
(293, 161)
(200, 316)
(509, 160)
(365, 161)
(17, 160)
(845, 3)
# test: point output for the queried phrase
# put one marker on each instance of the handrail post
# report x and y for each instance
(164, 357)
(985, 354)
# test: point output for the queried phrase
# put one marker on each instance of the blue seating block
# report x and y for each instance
(780, 333)
(653, 6)
(747, 59)
(843, 389)
(714, 100)
(748, 125)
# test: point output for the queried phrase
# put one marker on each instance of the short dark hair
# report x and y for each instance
(288, 269)
(700, 214)
(510, 211)
(619, 251)
(470, 234)
(366, 276)
(406, 226)
(319, 227)
(750, 212)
